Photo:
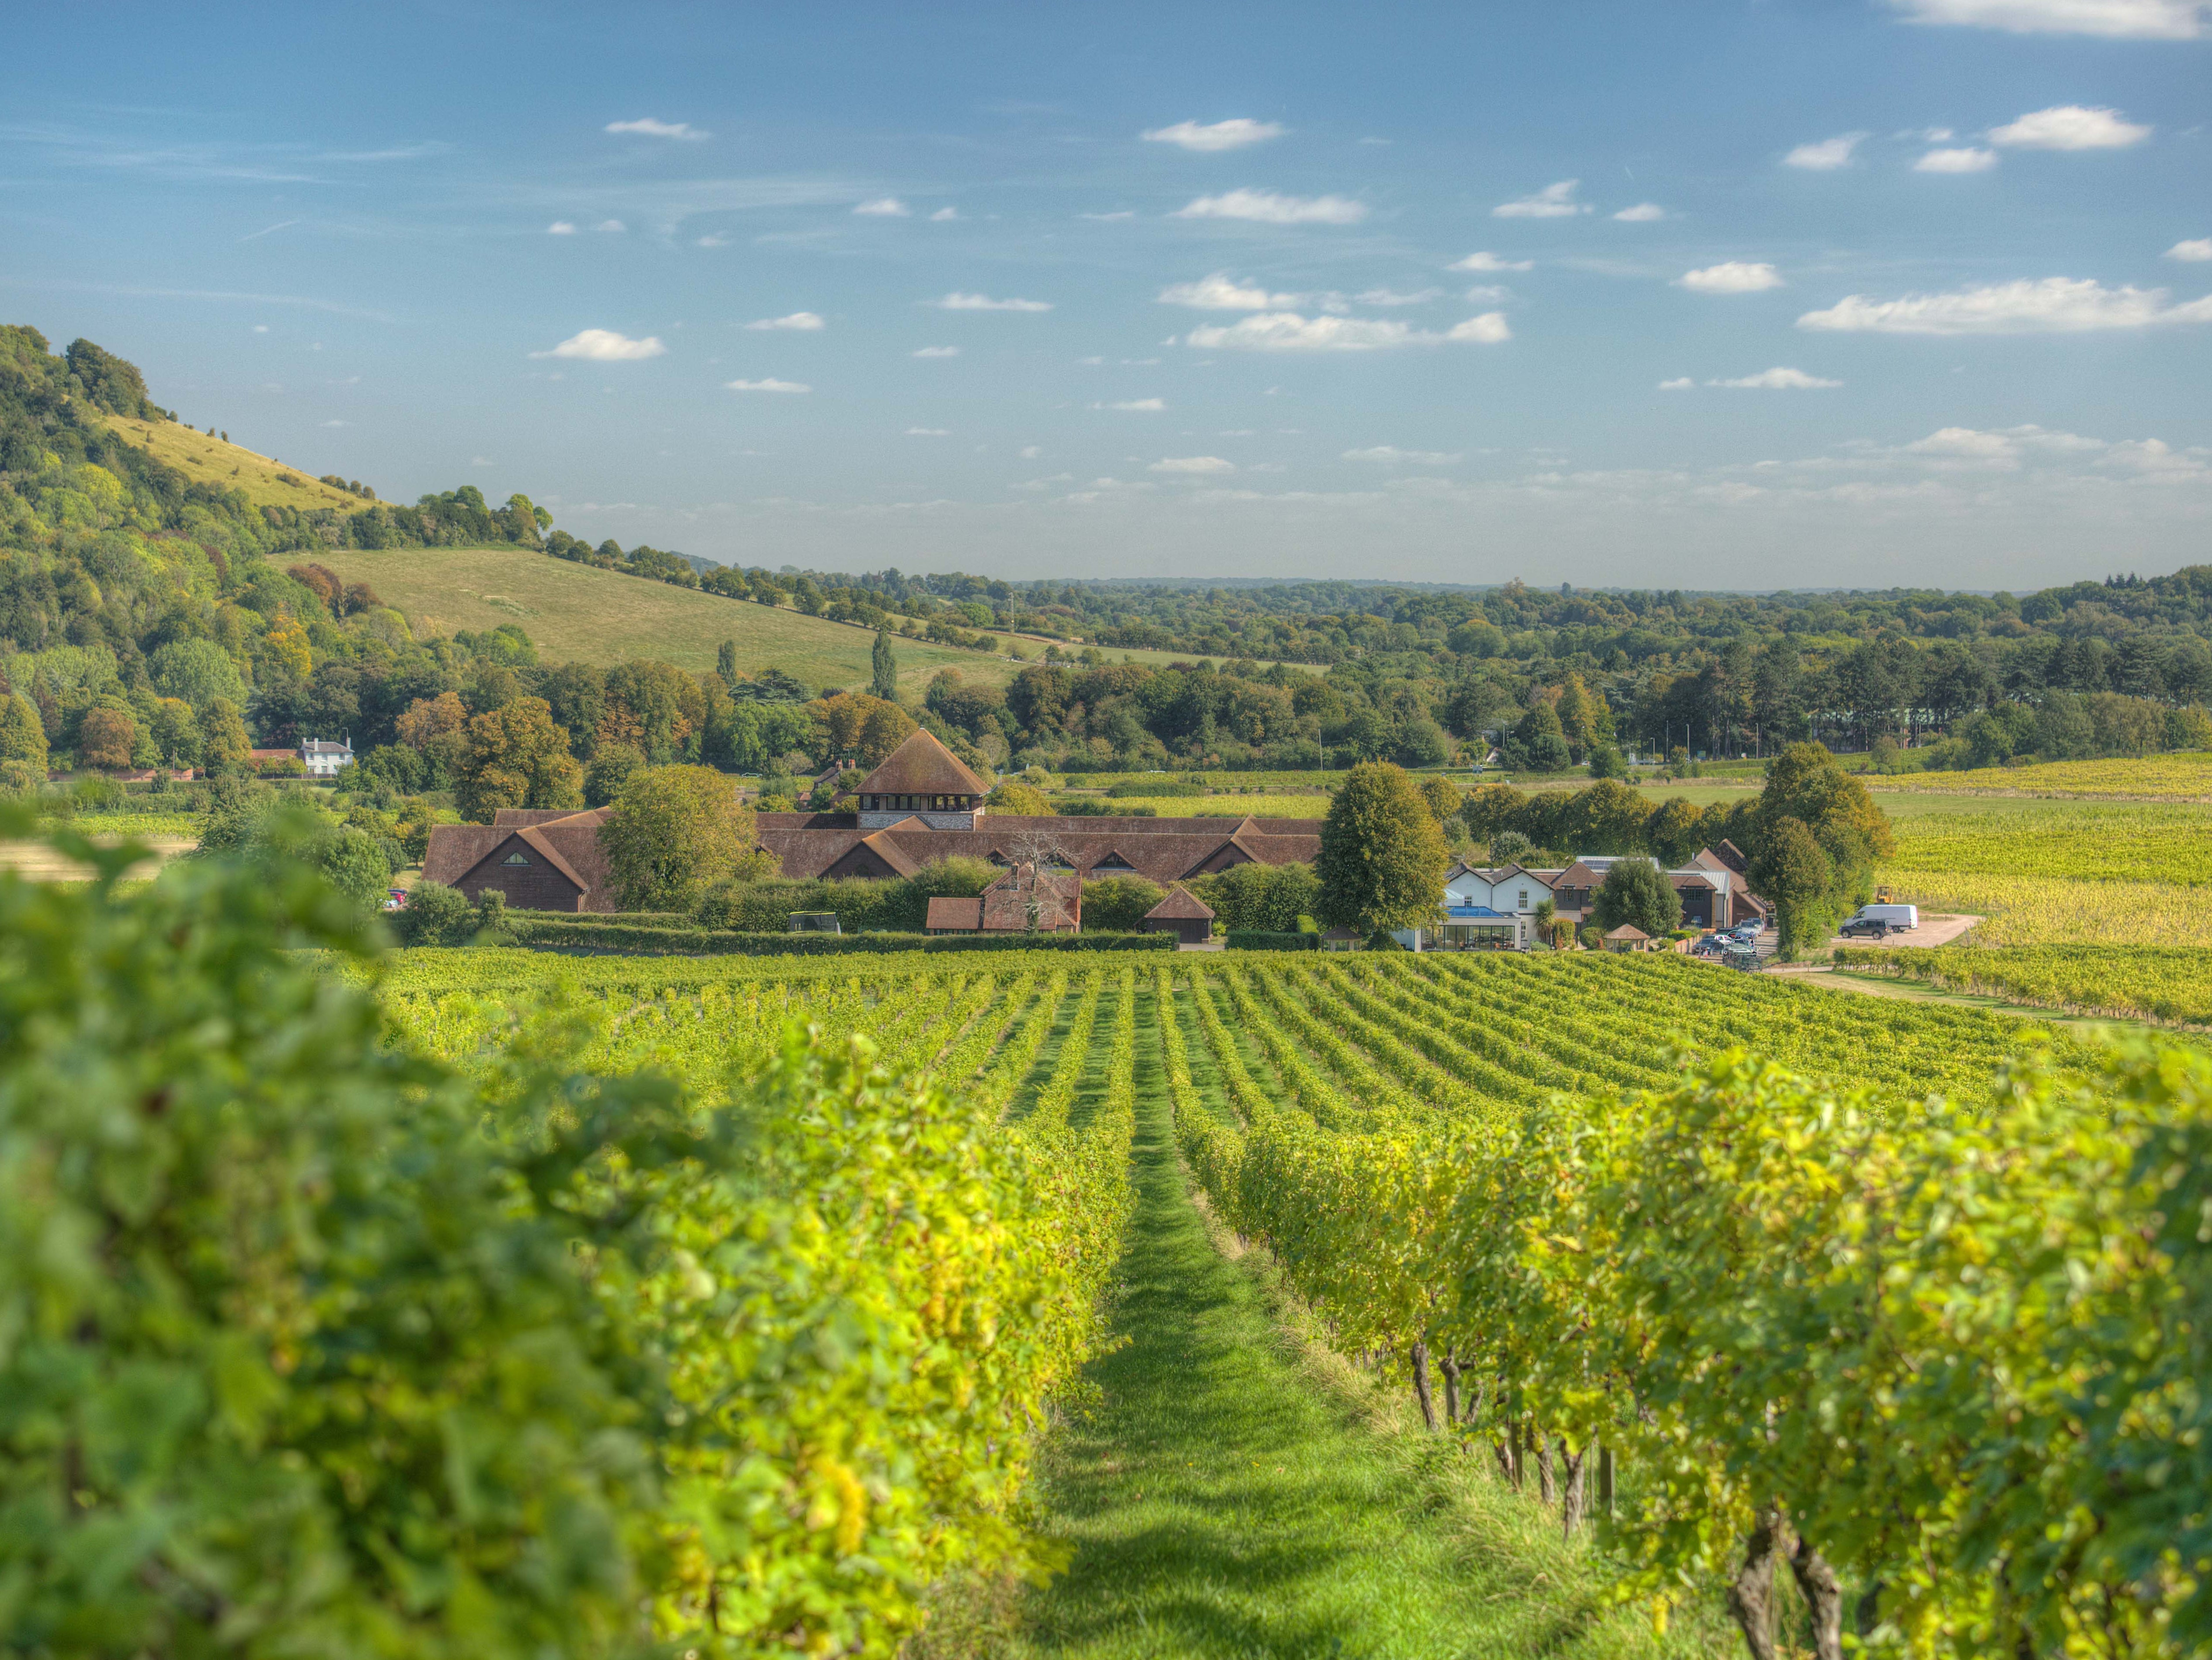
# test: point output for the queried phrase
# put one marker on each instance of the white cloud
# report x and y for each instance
(803, 321)
(770, 384)
(649, 128)
(2197, 251)
(1731, 276)
(938, 351)
(1108, 218)
(1136, 406)
(1679, 383)
(1222, 292)
(614, 226)
(1031, 451)
(479, 461)
(1825, 154)
(884, 207)
(261, 328)
(1777, 379)
(1285, 331)
(1391, 455)
(336, 423)
(2057, 305)
(1488, 261)
(1552, 202)
(2069, 127)
(984, 302)
(714, 242)
(1641, 214)
(1266, 207)
(2118, 20)
(1392, 297)
(1964, 443)
(1192, 464)
(1956, 161)
(1485, 293)
(1487, 330)
(605, 346)
(929, 432)
(944, 216)
(1229, 135)
(561, 227)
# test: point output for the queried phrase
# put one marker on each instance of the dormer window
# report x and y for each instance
(516, 859)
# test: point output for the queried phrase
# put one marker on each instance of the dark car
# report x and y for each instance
(1865, 928)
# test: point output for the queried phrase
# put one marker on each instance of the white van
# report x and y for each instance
(1879, 920)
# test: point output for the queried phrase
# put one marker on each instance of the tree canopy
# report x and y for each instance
(675, 832)
(1636, 892)
(1383, 854)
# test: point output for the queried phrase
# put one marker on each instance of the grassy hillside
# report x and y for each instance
(580, 613)
(207, 460)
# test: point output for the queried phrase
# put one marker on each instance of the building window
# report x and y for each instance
(516, 859)
(1524, 899)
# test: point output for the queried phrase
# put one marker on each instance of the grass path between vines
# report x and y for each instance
(1241, 1492)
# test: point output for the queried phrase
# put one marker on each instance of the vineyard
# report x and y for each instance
(2157, 983)
(2183, 775)
(1708, 1308)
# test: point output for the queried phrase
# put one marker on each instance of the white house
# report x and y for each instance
(1493, 906)
(325, 760)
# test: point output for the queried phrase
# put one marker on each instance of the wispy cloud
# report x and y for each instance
(1391, 455)
(1731, 276)
(605, 346)
(769, 385)
(1268, 208)
(1283, 331)
(1222, 292)
(1968, 160)
(1825, 154)
(1136, 406)
(2069, 127)
(561, 227)
(1552, 202)
(804, 322)
(956, 301)
(222, 295)
(1779, 378)
(2111, 20)
(1486, 261)
(646, 127)
(1231, 134)
(1110, 218)
(929, 432)
(944, 216)
(1392, 297)
(2056, 305)
(1191, 465)
(613, 227)
(256, 235)
(884, 207)
(1643, 213)
(938, 351)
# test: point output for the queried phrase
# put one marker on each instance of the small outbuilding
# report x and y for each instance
(1627, 937)
(1183, 914)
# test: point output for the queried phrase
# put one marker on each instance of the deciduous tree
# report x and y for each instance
(675, 831)
(1635, 892)
(1382, 856)
(517, 757)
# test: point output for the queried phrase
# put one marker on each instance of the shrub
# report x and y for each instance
(435, 915)
(1266, 939)
(1119, 903)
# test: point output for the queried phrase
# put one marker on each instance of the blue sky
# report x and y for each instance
(1843, 292)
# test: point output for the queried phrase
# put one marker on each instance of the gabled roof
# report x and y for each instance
(1181, 905)
(1731, 855)
(890, 852)
(921, 766)
(951, 913)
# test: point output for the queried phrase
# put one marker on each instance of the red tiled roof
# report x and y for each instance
(921, 766)
(1181, 905)
(948, 913)
(1164, 849)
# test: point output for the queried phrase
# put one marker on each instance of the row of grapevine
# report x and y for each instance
(1941, 1364)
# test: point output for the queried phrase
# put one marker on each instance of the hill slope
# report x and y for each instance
(265, 481)
(577, 613)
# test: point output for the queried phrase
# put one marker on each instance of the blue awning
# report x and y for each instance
(1475, 914)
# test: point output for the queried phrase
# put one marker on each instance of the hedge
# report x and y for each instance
(1266, 939)
(557, 933)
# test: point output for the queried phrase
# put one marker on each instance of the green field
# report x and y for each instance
(579, 613)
